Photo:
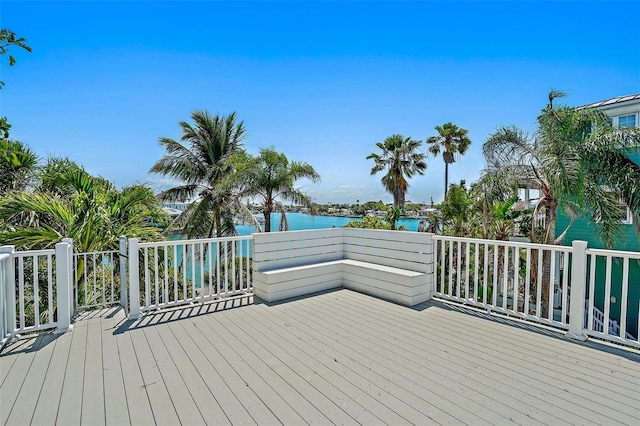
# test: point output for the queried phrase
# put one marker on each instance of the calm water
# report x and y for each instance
(300, 221)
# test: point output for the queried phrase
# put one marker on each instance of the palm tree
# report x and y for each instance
(400, 158)
(452, 141)
(17, 165)
(578, 161)
(200, 163)
(88, 209)
(270, 176)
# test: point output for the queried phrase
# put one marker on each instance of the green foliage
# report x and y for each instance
(372, 222)
(480, 294)
(369, 222)
(455, 209)
(400, 158)
(7, 39)
(68, 202)
(392, 215)
(270, 176)
(577, 160)
(17, 165)
(374, 205)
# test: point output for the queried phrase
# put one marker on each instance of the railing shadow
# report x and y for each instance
(629, 354)
(165, 316)
(31, 343)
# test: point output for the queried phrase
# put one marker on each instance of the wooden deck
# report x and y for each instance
(335, 358)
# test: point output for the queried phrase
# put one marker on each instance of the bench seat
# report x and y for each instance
(395, 284)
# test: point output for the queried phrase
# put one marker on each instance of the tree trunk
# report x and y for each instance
(267, 209)
(446, 178)
(218, 220)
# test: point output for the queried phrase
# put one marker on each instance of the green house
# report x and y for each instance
(623, 111)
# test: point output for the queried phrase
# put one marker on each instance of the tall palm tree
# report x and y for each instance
(400, 158)
(452, 141)
(200, 162)
(578, 161)
(271, 176)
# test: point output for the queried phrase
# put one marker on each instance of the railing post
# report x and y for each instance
(10, 291)
(64, 282)
(122, 258)
(134, 280)
(578, 290)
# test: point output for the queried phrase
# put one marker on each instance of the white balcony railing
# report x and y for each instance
(539, 283)
(519, 279)
(172, 273)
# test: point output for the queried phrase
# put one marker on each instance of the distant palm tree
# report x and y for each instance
(452, 141)
(400, 158)
(270, 176)
(201, 165)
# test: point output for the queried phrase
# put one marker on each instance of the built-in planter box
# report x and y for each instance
(393, 265)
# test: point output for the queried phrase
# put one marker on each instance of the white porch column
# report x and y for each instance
(578, 290)
(64, 284)
(122, 259)
(10, 292)
(134, 280)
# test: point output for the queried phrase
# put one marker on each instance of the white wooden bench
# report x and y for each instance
(393, 265)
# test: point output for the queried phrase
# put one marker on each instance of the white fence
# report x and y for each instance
(7, 297)
(614, 298)
(519, 279)
(36, 290)
(540, 282)
(588, 292)
(97, 279)
(171, 273)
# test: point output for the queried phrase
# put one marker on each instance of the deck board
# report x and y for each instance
(466, 401)
(229, 345)
(46, 409)
(207, 405)
(540, 370)
(138, 404)
(22, 411)
(70, 408)
(500, 360)
(162, 406)
(93, 394)
(115, 397)
(337, 357)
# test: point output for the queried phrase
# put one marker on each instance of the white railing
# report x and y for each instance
(36, 290)
(7, 297)
(539, 282)
(36, 296)
(614, 298)
(513, 278)
(598, 322)
(97, 279)
(171, 273)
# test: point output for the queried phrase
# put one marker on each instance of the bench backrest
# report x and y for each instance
(399, 249)
(276, 250)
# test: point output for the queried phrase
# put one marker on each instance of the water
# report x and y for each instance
(300, 221)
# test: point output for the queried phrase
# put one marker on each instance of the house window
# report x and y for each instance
(624, 121)
(625, 213)
(627, 121)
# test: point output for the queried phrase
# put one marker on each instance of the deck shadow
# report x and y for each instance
(179, 313)
(629, 354)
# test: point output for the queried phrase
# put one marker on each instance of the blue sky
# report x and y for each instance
(320, 81)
